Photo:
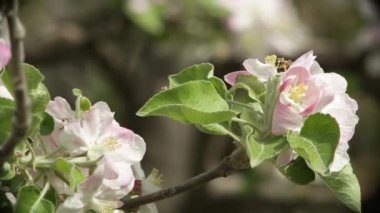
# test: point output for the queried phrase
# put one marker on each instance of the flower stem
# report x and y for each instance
(235, 162)
(42, 195)
(238, 120)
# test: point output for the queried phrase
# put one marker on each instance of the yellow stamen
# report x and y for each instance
(155, 178)
(298, 92)
(111, 144)
(271, 59)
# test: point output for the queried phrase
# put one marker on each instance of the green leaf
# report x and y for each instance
(29, 200)
(51, 195)
(37, 92)
(5, 122)
(220, 86)
(345, 186)
(215, 128)
(17, 182)
(47, 124)
(195, 102)
(40, 98)
(193, 73)
(8, 103)
(298, 172)
(253, 115)
(317, 142)
(69, 171)
(251, 84)
(258, 151)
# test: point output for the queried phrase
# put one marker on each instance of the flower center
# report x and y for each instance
(111, 144)
(298, 92)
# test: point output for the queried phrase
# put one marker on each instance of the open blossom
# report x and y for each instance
(95, 134)
(147, 185)
(91, 195)
(304, 90)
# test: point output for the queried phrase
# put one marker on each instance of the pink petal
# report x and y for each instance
(316, 69)
(60, 110)
(230, 78)
(306, 61)
(5, 53)
(91, 185)
(132, 147)
(301, 74)
(343, 109)
(330, 85)
(73, 139)
(118, 186)
(286, 83)
(331, 81)
(284, 119)
(341, 158)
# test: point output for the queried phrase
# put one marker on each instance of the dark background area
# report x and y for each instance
(121, 51)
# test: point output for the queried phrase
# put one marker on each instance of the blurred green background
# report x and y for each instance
(121, 51)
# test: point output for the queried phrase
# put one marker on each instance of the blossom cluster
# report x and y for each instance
(87, 157)
(95, 136)
(305, 89)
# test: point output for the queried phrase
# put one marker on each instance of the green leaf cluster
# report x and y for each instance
(316, 145)
(194, 96)
(38, 95)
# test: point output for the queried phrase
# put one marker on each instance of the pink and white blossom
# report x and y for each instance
(90, 195)
(150, 184)
(95, 134)
(304, 90)
(5, 53)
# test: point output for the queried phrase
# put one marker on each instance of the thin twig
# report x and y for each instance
(235, 162)
(21, 119)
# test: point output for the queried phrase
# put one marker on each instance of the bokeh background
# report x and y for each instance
(121, 51)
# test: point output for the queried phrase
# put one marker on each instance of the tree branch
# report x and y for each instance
(21, 119)
(235, 162)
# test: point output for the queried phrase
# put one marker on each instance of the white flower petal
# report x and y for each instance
(261, 70)
(72, 204)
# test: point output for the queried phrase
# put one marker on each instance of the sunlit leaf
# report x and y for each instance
(195, 102)
(193, 73)
(317, 141)
(345, 186)
(260, 150)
